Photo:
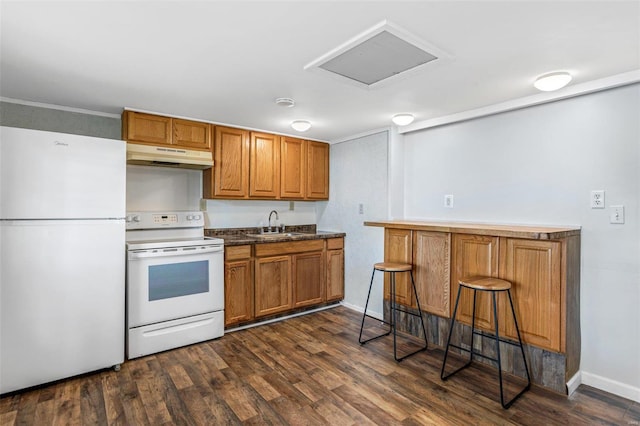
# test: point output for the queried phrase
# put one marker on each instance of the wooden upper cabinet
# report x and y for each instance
(147, 129)
(318, 171)
(264, 165)
(229, 177)
(192, 134)
(293, 167)
(474, 255)
(432, 266)
(398, 248)
(534, 269)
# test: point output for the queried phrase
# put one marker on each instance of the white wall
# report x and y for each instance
(358, 176)
(245, 213)
(538, 166)
(163, 188)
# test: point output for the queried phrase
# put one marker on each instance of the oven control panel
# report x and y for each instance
(156, 220)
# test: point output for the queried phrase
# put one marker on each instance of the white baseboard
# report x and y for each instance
(377, 315)
(574, 382)
(611, 386)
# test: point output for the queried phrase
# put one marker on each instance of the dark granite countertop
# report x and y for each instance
(241, 236)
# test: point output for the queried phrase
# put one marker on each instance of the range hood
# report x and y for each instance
(148, 155)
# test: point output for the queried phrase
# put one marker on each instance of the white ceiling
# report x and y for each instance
(227, 61)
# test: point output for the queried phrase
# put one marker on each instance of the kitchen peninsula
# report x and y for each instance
(542, 263)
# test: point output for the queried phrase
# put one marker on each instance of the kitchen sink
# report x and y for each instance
(276, 235)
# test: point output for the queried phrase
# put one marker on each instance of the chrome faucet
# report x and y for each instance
(270, 214)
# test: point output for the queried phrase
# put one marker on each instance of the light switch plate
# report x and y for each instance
(616, 214)
(448, 201)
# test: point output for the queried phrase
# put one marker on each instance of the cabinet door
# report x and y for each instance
(397, 248)
(146, 128)
(229, 176)
(317, 171)
(264, 165)
(238, 291)
(335, 269)
(192, 134)
(432, 260)
(293, 170)
(272, 285)
(308, 279)
(474, 255)
(534, 269)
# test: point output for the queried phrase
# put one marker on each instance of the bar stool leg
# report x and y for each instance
(364, 315)
(446, 351)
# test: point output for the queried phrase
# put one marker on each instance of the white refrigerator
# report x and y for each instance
(62, 256)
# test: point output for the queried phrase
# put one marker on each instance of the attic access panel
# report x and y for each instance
(378, 58)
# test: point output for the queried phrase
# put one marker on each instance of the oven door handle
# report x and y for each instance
(175, 252)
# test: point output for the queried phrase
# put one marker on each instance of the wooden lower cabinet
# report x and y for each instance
(398, 248)
(238, 285)
(473, 255)
(534, 269)
(431, 270)
(272, 285)
(308, 279)
(335, 269)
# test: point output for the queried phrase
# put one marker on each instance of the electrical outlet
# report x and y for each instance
(616, 214)
(360, 208)
(597, 199)
(448, 201)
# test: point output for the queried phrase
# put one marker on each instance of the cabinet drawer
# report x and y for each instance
(335, 243)
(288, 247)
(237, 252)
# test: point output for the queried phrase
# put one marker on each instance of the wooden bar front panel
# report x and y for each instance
(398, 248)
(432, 260)
(474, 255)
(534, 269)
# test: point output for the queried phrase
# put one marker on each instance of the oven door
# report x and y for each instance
(171, 283)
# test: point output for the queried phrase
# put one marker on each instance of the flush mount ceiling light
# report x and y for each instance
(552, 81)
(402, 119)
(285, 102)
(301, 125)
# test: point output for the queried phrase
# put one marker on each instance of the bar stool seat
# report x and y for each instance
(492, 285)
(392, 268)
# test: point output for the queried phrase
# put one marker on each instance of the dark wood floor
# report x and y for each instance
(301, 371)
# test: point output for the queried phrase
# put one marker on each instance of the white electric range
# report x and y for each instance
(175, 282)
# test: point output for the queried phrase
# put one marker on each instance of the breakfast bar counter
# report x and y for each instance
(541, 262)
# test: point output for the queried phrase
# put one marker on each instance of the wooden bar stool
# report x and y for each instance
(393, 268)
(493, 285)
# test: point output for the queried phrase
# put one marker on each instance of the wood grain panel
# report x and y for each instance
(146, 128)
(264, 165)
(317, 171)
(533, 267)
(432, 274)
(288, 247)
(272, 285)
(293, 167)
(398, 248)
(335, 275)
(308, 279)
(192, 134)
(237, 252)
(238, 291)
(229, 176)
(474, 255)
